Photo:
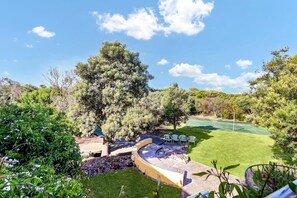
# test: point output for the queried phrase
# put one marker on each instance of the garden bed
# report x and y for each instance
(106, 164)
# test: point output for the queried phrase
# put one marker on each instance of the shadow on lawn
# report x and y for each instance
(205, 127)
(201, 134)
(280, 155)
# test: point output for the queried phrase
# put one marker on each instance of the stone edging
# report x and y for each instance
(157, 173)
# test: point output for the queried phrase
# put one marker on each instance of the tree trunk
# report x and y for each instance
(174, 126)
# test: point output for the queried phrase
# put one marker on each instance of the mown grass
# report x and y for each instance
(229, 148)
(134, 184)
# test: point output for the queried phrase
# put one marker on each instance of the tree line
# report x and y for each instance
(111, 91)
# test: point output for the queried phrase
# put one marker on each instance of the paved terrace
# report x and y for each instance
(173, 157)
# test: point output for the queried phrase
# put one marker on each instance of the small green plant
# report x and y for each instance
(293, 187)
(100, 168)
(156, 193)
(266, 180)
(122, 191)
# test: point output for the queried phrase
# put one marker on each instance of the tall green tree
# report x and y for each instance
(275, 100)
(110, 83)
(144, 116)
(175, 106)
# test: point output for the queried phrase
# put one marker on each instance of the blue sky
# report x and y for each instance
(216, 45)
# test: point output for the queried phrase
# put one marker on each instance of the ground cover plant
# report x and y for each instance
(129, 183)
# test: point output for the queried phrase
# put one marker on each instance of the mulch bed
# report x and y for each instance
(106, 164)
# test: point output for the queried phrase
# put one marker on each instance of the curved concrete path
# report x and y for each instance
(192, 184)
(195, 184)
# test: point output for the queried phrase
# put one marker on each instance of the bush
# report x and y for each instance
(35, 180)
(39, 133)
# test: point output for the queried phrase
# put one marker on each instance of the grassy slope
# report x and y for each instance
(136, 185)
(230, 148)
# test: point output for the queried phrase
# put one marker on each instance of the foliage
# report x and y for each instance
(143, 116)
(175, 106)
(275, 100)
(109, 85)
(34, 180)
(229, 189)
(270, 177)
(29, 88)
(10, 91)
(221, 105)
(38, 97)
(39, 133)
(109, 185)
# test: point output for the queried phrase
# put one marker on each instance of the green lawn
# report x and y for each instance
(230, 148)
(135, 185)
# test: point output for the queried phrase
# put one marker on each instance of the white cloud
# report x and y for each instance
(213, 79)
(184, 16)
(163, 62)
(5, 73)
(227, 66)
(243, 64)
(142, 24)
(29, 45)
(179, 16)
(40, 31)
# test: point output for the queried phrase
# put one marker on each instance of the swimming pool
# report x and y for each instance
(226, 126)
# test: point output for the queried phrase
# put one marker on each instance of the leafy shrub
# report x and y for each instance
(35, 180)
(266, 180)
(28, 133)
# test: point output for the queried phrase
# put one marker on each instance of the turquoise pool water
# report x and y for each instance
(226, 126)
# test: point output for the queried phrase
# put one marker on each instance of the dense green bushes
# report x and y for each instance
(34, 132)
(35, 180)
(38, 155)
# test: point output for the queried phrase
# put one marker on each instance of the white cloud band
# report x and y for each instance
(179, 16)
(213, 79)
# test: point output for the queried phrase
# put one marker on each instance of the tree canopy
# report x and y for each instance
(275, 99)
(110, 83)
(175, 106)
